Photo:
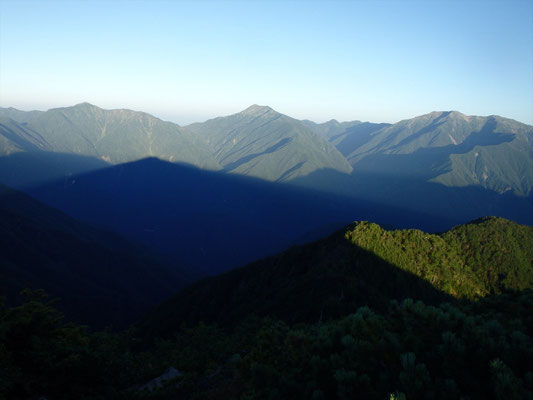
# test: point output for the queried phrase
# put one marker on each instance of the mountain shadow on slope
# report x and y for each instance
(243, 160)
(208, 220)
(360, 265)
(443, 206)
(26, 169)
(16, 136)
(100, 278)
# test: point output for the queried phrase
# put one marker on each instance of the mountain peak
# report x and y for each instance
(438, 115)
(257, 109)
(85, 105)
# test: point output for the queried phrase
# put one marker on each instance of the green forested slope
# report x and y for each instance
(485, 256)
(361, 265)
(322, 342)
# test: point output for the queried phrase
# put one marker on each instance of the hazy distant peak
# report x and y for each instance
(439, 115)
(121, 113)
(455, 115)
(80, 106)
(257, 109)
(85, 105)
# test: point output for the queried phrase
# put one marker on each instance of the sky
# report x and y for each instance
(379, 61)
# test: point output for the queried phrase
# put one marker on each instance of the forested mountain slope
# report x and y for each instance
(362, 264)
(115, 136)
(453, 149)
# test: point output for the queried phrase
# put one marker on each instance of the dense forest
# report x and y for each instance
(480, 350)
(360, 265)
(417, 316)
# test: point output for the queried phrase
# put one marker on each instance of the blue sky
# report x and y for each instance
(381, 61)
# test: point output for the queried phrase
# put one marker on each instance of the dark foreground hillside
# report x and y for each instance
(101, 278)
(366, 313)
(410, 351)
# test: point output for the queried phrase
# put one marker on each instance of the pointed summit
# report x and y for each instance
(85, 107)
(85, 104)
(437, 115)
(255, 109)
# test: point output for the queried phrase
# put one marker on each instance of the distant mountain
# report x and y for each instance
(18, 115)
(210, 220)
(100, 278)
(19, 137)
(452, 149)
(443, 164)
(355, 136)
(362, 264)
(345, 136)
(331, 128)
(263, 143)
(115, 136)
(448, 148)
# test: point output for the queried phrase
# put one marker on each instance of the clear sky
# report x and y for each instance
(381, 61)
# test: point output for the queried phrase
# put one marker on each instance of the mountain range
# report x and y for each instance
(449, 148)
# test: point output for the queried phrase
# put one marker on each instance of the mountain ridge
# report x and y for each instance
(446, 148)
(359, 265)
(116, 136)
(6, 110)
